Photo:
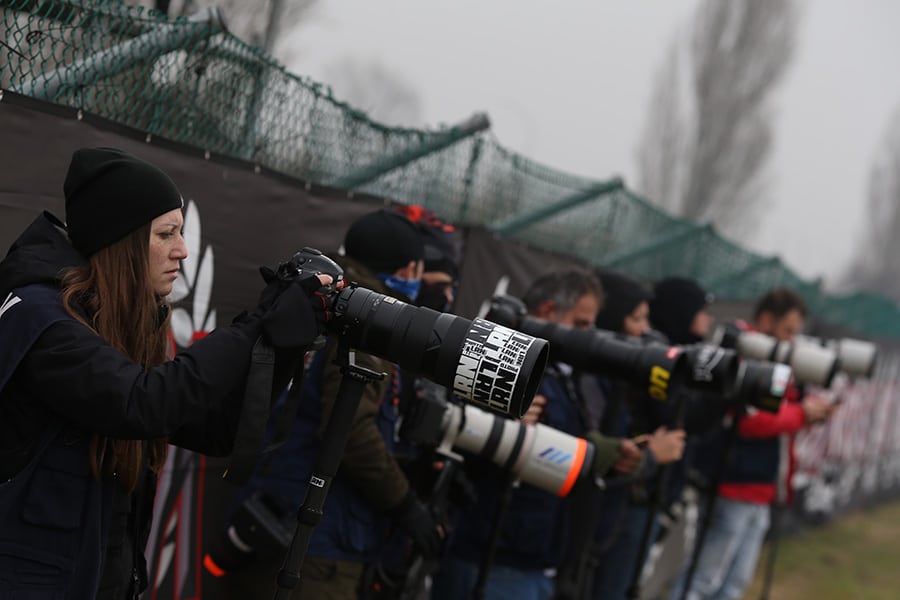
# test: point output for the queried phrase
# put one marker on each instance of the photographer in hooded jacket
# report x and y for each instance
(370, 497)
(88, 399)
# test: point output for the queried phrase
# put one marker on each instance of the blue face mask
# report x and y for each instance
(408, 287)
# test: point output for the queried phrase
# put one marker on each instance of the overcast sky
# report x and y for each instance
(567, 83)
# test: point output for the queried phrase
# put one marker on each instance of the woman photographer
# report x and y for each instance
(88, 399)
(625, 510)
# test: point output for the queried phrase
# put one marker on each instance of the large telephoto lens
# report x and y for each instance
(484, 363)
(761, 384)
(856, 358)
(722, 372)
(810, 363)
(651, 366)
(541, 456)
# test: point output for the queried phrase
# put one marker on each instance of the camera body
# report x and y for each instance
(757, 383)
(309, 262)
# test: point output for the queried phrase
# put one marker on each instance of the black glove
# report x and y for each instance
(294, 314)
(416, 521)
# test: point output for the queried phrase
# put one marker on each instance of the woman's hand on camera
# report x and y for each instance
(294, 312)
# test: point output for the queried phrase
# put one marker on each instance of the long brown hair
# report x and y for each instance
(112, 294)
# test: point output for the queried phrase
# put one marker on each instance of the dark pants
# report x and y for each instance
(321, 579)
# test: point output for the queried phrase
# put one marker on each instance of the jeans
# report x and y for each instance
(456, 578)
(730, 551)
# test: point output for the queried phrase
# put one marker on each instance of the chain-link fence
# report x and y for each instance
(192, 82)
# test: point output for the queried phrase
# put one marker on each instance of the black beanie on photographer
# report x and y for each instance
(384, 241)
(676, 301)
(621, 295)
(110, 193)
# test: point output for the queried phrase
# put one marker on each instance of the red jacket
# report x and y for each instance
(789, 419)
(761, 473)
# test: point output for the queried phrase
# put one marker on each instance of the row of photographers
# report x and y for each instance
(90, 398)
(392, 525)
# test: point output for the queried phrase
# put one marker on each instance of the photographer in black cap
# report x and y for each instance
(400, 569)
(88, 399)
(370, 497)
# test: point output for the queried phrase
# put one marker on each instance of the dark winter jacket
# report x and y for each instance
(67, 385)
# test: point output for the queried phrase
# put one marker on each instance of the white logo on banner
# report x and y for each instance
(10, 301)
(195, 279)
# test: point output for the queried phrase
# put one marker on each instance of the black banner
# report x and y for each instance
(237, 218)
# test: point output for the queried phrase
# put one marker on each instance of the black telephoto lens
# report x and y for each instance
(652, 366)
(487, 364)
(762, 384)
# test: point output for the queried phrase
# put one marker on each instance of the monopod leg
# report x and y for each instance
(334, 440)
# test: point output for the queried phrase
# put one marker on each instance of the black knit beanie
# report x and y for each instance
(384, 241)
(621, 295)
(110, 193)
(676, 301)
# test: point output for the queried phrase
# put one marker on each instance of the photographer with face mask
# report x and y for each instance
(402, 569)
(371, 496)
(88, 397)
(440, 274)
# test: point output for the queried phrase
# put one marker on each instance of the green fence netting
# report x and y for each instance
(190, 81)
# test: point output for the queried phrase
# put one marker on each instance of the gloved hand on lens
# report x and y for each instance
(294, 313)
(414, 518)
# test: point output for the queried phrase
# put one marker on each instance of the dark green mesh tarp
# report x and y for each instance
(191, 82)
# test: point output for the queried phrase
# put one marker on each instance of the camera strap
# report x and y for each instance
(712, 494)
(249, 440)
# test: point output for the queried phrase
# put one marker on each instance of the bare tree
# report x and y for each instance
(706, 161)
(660, 156)
(875, 267)
(367, 85)
(257, 22)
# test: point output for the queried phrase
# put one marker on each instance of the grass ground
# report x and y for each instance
(855, 557)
